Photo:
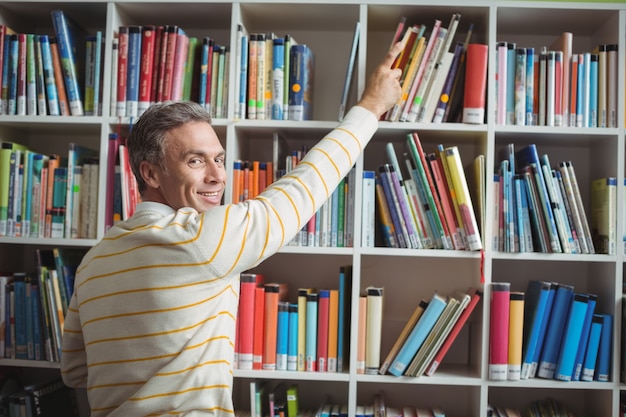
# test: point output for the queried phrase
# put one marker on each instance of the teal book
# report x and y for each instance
(418, 335)
(584, 336)
(571, 337)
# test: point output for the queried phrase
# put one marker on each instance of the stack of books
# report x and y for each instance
(429, 332)
(539, 208)
(426, 203)
(549, 331)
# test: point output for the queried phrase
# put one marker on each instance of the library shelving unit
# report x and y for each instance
(460, 386)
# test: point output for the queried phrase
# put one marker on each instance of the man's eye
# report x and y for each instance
(196, 163)
(219, 161)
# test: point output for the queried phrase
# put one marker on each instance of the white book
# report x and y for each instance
(368, 210)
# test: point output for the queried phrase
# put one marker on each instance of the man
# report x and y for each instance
(151, 324)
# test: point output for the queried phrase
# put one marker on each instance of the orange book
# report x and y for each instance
(255, 179)
(53, 162)
(64, 105)
(262, 177)
(333, 329)
(362, 335)
(259, 327)
(269, 172)
(270, 326)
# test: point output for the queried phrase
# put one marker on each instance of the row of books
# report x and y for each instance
(426, 203)
(50, 196)
(122, 191)
(556, 87)
(274, 77)
(155, 63)
(550, 331)
(429, 332)
(538, 208)
(542, 408)
(33, 305)
(49, 397)
(306, 334)
(440, 83)
(51, 74)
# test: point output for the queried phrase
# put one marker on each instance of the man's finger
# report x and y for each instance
(393, 53)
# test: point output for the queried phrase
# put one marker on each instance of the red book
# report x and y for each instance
(323, 305)
(499, 335)
(476, 295)
(245, 337)
(259, 327)
(168, 70)
(146, 71)
(475, 83)
(165, 34)
(573, 90)
(122, 69)
(445, 199)
(156, 59)
(271, 326)
(21, 74)
(333, 331)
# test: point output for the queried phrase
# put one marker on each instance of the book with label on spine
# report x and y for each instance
(571, 337)
(71, 36)
(516, 328)
(311, 332)
(301, 79)
(146, 68)
(591, 355)
(555, 331)
(374, 324)
(584, 337)
(499, 331)
(605, 348)
(475, 84)
(323, 306)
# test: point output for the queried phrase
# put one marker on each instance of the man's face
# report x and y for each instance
(195, 174)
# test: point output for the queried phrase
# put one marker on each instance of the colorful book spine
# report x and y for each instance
(66, 32)
(555, 330)
(311, 332)
(591, 355)
(146, 70)
(301, 73)
(499, 331)
(282, 336)
(271, 326)
(571, 338)
(323, 308)
(278, 77)
(292, 344)
(475, 84)
(246, 320)
(515, 335)
(133, 70)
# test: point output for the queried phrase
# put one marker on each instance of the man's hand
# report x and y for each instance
(383, 87)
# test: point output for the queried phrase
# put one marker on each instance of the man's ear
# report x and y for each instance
(150, 174)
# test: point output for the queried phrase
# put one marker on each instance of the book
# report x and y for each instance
(77, 155)
(593, 344)
(282, 336)
(417, 336)
(605, 348)
(292, 343)
(584, 337)
(536, 299)
(258, 342)
(408, 326)
(333, 328)
(475, 84)
(248, 283)
(51, 396)
(311, 332)
(515, 335)
(499, 331)
(146, 67)
(475, 297)
(270, 325)
(374, 327)
(70, 37)
(301, 79)
(554, 332)
(349, 70)
(571, 337)
(603, 215)
(344, 317)
(323, 306)
(361, 345)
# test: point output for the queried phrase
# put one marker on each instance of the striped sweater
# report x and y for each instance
(151, 324)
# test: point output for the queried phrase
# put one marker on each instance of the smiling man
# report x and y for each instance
(151, 324)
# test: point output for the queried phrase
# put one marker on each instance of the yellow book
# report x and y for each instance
(604, 215)
(464, 200)
(516, 329)
(302, 293)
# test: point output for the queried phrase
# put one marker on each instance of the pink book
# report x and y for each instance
(323, 307)
(499, 335)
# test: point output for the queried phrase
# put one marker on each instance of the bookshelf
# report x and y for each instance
(406, 274)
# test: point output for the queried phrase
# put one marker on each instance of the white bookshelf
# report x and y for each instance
(460, 386)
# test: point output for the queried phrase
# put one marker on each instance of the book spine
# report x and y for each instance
(246, 320)
(323, 308)
(515, 335)
(292, 344)
(554, 332)
(603, 365)
(374, 323)
(362, 335)
(282, 336)
(259, 328)
(311, 332)
(122, 70)
(68, 61)
(571, 338)
(146, 70)
(499, 331)
(278, 78)
(591, 356)
(475, 84)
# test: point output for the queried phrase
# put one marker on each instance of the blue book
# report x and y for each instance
(418, 335)
(97, 73)
(593, 91)
(13, 64)
(530, 85)
(38, 352)
(603, 364)
(292, 343)
(282, 336)
(70, 37)
(310, 353)
(27, 193)
(580, 88)
(19, 286)
(528, 156)
(520, 206)
(205, 49)
(571, 337)
(543, 330)
(584, 337)
(554, 333)
(243, 74)
(48, 73)
(591, 355)
(536, 300)
(511, 58)
(278, 72)
(5, 75)
(301, 74)
(132, 73)
(394, 209)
